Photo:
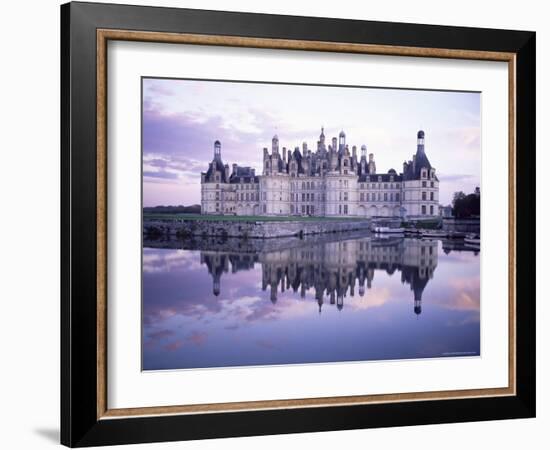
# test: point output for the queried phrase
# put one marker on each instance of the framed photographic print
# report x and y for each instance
(278, 224)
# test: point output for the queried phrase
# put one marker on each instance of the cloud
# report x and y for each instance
(455, 177)
(160, 174)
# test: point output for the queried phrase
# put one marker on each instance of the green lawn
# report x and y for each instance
(150, 216)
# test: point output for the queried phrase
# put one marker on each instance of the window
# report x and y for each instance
(431, 184)
(303, 209)
(431, 196)
(345, 196)
(264, 208)
(385, 185)
(303, 197)
(423, 209)
(397, 185)
(431, 210)
(397, 197)
(339, 209)
(362, 185)
(385, 196)
(362, 197)
(312, 197)
(423, 196)
(291, 209)
(368, 196)
(345, 209)
(391, 197)
(423, 184)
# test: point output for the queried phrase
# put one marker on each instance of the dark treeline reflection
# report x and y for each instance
(329, 298)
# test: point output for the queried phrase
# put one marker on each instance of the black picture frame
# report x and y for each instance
(80, 425)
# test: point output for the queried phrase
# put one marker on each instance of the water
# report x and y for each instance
(209, 303)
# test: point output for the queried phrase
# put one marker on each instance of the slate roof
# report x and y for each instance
(385, 178)
(217, 164)
(413, 173)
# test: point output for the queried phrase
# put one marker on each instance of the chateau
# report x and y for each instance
(332, 181)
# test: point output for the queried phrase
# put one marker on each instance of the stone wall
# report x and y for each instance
(248, 229)
(462, 225)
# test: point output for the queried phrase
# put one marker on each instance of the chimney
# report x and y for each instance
(235, 167)
(304, 148)
(226, 167)
(284, 154)
(414, 163)
(354, 151)
(371, 157)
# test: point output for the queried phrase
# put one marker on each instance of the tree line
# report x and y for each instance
(466, 205)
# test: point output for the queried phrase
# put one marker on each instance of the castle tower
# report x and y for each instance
(218, 151)
(372, 164)
(342, 142)
(420, 141)
(322, 139)
(275, 145)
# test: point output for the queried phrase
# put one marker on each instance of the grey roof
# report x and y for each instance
(413, 169)
(244, 175)
(385, 177)
(217, 164)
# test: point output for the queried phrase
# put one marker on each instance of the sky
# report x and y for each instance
(183, 118)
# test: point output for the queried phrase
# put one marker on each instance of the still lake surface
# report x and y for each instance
(221, 303)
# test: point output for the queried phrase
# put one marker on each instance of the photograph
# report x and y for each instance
(307, 224)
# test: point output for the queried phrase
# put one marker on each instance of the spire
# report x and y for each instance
(217, 150)
(420, 141)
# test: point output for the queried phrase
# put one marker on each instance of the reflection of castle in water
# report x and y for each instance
(333, 269)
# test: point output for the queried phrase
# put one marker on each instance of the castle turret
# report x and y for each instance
(218, 151)
(372, 164)
(275, 145)
(420, 141)
(342, 141)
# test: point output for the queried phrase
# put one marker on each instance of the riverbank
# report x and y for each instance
(244, 227)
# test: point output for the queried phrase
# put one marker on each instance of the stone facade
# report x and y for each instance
(332, 181)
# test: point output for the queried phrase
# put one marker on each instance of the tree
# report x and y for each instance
(466, 206)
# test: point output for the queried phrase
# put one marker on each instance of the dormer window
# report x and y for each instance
(423, 173)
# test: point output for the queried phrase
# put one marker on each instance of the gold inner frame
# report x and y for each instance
(104, 35)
